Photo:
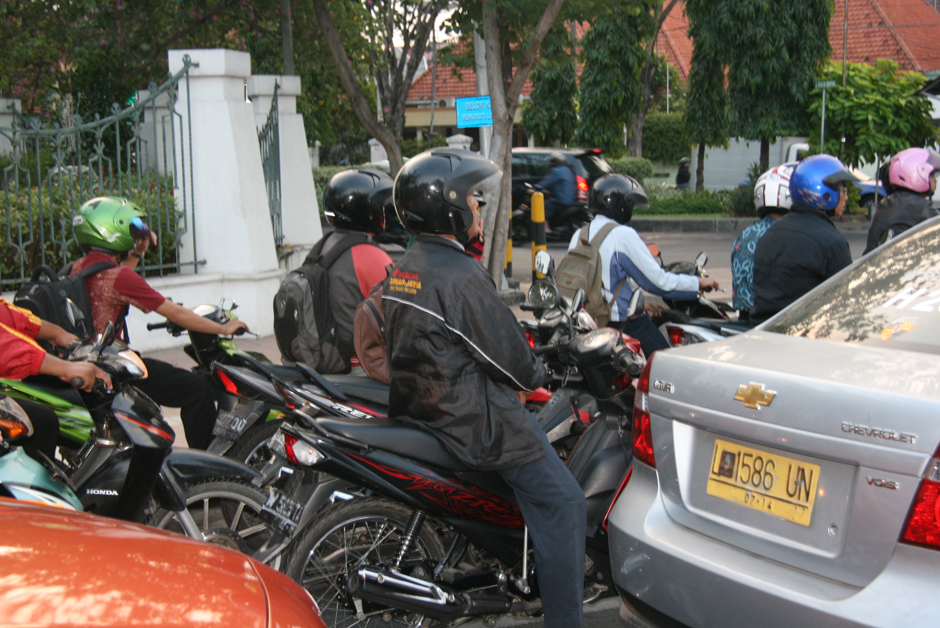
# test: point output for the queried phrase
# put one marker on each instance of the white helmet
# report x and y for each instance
(772, 190)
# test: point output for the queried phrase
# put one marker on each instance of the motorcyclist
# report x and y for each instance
(21, 357)
(354, 201)
(804, 248)
(560, 187)
(627, 261)
(457, 357)
(772, 199)
(112, 229)
(683, 176)
(913, 179)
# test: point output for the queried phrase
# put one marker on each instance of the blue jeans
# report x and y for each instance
(553, 506)
(643, 329)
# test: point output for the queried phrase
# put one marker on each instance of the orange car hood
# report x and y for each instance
(62, 568)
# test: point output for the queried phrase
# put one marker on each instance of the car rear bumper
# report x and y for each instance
(703, 582)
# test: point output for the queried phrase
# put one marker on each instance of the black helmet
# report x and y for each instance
(356, 199)
(615, 196)
(431, 190)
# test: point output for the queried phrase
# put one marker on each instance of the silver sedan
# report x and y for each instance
(790, 476)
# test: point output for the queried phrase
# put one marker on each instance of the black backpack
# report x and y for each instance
(61, 298)
(304, 326)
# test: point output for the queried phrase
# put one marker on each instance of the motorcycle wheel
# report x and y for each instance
(226, 511)
(347, 535)
(252, 447)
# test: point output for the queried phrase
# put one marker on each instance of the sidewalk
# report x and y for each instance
(854, 222)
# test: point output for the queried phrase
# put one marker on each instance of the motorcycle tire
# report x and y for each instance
(252, 446)
(347, 535)
(226, 511)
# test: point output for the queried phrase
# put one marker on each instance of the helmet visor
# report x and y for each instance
(486, 192)
(139, 229)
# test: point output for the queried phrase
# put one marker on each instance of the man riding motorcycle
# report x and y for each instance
(912, 177)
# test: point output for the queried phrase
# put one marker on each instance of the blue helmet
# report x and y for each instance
(816, 180)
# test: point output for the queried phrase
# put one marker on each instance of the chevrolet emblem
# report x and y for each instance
(754, 395)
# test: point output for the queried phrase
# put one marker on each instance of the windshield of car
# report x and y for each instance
(891, 300)
(595, 165)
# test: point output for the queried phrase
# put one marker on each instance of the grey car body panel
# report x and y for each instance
(702, 582)
(855, 525)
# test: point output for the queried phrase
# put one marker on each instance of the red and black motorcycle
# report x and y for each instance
(424, 536)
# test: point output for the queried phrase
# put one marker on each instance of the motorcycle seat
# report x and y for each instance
(394, 437)
(56, 387)
(288, 373)
(361, 387)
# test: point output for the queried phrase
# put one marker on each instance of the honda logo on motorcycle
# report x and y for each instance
(753, 395)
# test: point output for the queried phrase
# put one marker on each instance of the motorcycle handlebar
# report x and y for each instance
(152, 326)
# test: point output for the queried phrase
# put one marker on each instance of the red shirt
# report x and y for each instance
(20, 356)
(370, 262)
(112, 290)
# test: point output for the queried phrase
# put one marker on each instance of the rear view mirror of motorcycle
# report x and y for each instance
(701, 259)
(543, 295)
(637, 303)
(544, 263)
(107, 336)
(577, 301)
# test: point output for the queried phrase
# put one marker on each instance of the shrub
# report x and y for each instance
(636, 167)
(664, 138)
(671, 202)
(322, 176)
(410, 148)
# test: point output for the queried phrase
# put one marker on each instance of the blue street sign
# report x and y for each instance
(474, 112)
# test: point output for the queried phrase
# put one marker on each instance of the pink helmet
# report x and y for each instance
(911, 169)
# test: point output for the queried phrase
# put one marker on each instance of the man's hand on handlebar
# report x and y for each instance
(707, 284)
(88, 373)
(234, 327)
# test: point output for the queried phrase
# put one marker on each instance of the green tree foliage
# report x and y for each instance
(665, 140)
(610, 80)
(879, 112)
(772, 51)
(551, 113)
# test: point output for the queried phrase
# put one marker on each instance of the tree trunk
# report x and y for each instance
(764, 155)
(504, 101)
(646, 99)
(700, 168)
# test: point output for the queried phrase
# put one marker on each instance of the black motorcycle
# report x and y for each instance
(424, 536)
(128, 469)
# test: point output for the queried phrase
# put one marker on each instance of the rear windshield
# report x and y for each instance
(595, 165)
(890, 300)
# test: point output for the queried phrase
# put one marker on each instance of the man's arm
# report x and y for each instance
(67, 371)
(187, 319)
(55, 334)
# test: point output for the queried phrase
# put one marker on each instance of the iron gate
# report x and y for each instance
(269, 141)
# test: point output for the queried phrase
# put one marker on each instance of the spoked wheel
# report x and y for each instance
(252, 448)
(347, 535)
(226, 512)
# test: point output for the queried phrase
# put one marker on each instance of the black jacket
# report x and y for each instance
(798, 252)
(898, 213)
(457, 355)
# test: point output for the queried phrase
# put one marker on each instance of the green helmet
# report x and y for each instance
(109, 224)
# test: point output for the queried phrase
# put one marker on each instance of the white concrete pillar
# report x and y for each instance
(6, 122)
(300, 216)
(230, 204)
(459, 141)
(155, 132)
(376, 151)
(314, 152)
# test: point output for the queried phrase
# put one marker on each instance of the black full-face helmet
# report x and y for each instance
(616, 196)
(356, 199)
(431, 190)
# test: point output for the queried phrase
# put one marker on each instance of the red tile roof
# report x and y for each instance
(907, 31)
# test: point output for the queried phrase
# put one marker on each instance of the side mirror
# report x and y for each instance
(701, 259)
(637, 303)
(107, 336)
(544, 263)
(543, 295)
(577, 301)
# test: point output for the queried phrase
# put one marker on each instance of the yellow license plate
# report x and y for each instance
(774, 484)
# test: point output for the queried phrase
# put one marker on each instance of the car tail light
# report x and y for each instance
(642, 432)
(923, 520)
(582, 188)
(681, 337)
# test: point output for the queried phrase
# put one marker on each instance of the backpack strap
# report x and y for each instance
(94, 269)
(346, 242)
(597, 240)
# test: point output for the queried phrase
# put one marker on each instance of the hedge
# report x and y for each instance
(636, 167)
(672, 202)
(664, 138)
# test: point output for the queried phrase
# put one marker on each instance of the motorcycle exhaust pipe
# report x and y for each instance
(418, 596)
